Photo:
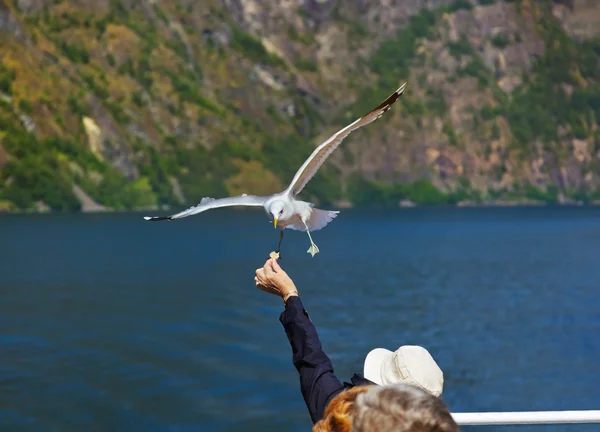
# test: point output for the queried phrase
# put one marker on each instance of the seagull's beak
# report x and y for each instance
(275, 222)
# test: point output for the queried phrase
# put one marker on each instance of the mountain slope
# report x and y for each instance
(128, 104)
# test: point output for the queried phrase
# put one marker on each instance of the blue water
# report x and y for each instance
(110, 323)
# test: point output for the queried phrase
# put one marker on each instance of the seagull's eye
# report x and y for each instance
(281, 212)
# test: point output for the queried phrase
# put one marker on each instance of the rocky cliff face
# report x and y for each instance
(129, 103)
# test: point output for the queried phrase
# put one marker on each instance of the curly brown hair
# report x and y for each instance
(338, 414)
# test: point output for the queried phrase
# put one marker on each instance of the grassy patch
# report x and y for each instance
(7, 76)
(462, 47)
(189, 91)
(458, 5)
(252, 48)
(26, 106)
(160, 13)
(306, 64)
(296, 36)
(477, 69)
(74, 52)
(500, 41)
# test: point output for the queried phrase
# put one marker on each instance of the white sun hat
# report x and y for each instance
(409, 364)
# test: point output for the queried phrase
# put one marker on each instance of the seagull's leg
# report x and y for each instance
(313, 249)
(278, 251)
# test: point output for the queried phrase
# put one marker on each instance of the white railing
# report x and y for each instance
(524, 417)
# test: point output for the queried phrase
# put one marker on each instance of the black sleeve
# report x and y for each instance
(317, 380)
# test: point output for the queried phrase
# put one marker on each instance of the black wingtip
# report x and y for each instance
(157, 218)
(386, 104)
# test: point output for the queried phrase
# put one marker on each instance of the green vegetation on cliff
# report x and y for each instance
(141, 105)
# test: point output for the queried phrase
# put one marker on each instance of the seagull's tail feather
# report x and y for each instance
(320, 218)
(157, 218)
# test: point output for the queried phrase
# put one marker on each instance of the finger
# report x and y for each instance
(268, 270)
(260, 275)
(272, 265)
(275, 265)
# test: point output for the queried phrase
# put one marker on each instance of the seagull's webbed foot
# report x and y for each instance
(313, 249)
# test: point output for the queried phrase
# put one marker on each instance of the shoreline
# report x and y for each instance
(345, 206)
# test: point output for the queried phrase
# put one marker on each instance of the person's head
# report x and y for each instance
(400, 408)
(338, 414)
(409, 364)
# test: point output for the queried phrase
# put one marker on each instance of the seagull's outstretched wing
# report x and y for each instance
(211, 203)
(316, 159)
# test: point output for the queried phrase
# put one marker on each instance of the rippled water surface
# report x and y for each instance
(110, 323)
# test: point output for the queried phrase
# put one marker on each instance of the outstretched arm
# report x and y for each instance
(318, 382)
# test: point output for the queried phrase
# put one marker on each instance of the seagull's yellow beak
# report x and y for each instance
(275, 222)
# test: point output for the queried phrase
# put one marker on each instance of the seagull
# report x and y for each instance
(283, 209)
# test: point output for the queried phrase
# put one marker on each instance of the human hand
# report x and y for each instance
(271, 278)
